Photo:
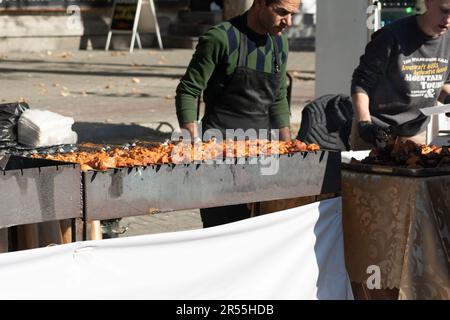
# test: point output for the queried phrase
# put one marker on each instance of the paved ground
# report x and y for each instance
(120, 97)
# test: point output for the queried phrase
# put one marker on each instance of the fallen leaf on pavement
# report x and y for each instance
(117, 54)
(65, 55)
(162, 60)
(136, 80)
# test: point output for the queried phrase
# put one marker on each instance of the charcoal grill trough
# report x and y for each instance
(38, 190)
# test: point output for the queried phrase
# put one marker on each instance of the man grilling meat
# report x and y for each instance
(241, 67)
(405, 67)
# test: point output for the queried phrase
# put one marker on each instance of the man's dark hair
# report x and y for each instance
(268, 2)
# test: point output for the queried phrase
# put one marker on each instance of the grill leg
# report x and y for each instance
(78, 230)
(96, 230)
(27, 236)
(3, 240)
(50, 233)
(66, 230)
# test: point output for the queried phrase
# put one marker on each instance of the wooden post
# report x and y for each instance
(96, 230)
(232, 8)
(78, 230)
(66, 230)
(27, 236)
(3, 240)
(50, 233)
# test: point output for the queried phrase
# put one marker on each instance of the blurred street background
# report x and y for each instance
(116, 96)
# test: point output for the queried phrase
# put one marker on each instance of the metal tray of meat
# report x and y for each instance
(396, 171)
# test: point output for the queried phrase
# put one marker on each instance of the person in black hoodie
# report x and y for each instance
(405, 67)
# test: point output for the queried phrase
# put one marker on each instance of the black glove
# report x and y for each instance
(448, 114)
(372, 133)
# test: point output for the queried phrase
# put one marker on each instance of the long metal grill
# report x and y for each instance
(158, 188)
(42, 190)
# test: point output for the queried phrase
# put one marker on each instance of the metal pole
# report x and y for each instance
(158, 33)
(135, 25)
(108, 40)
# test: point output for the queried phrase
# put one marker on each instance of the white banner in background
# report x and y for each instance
(292, 254)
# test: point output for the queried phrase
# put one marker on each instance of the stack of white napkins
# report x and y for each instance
(42, 128)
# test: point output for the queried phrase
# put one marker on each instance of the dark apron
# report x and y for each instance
(243, 103)
(245, 99)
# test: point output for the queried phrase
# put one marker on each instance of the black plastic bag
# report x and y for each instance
(9, 118)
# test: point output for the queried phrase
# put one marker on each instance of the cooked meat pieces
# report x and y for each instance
(411, 155)
(178, 153)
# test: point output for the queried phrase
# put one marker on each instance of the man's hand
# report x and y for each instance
(285, 134)
(192, 128)
(372, 133)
